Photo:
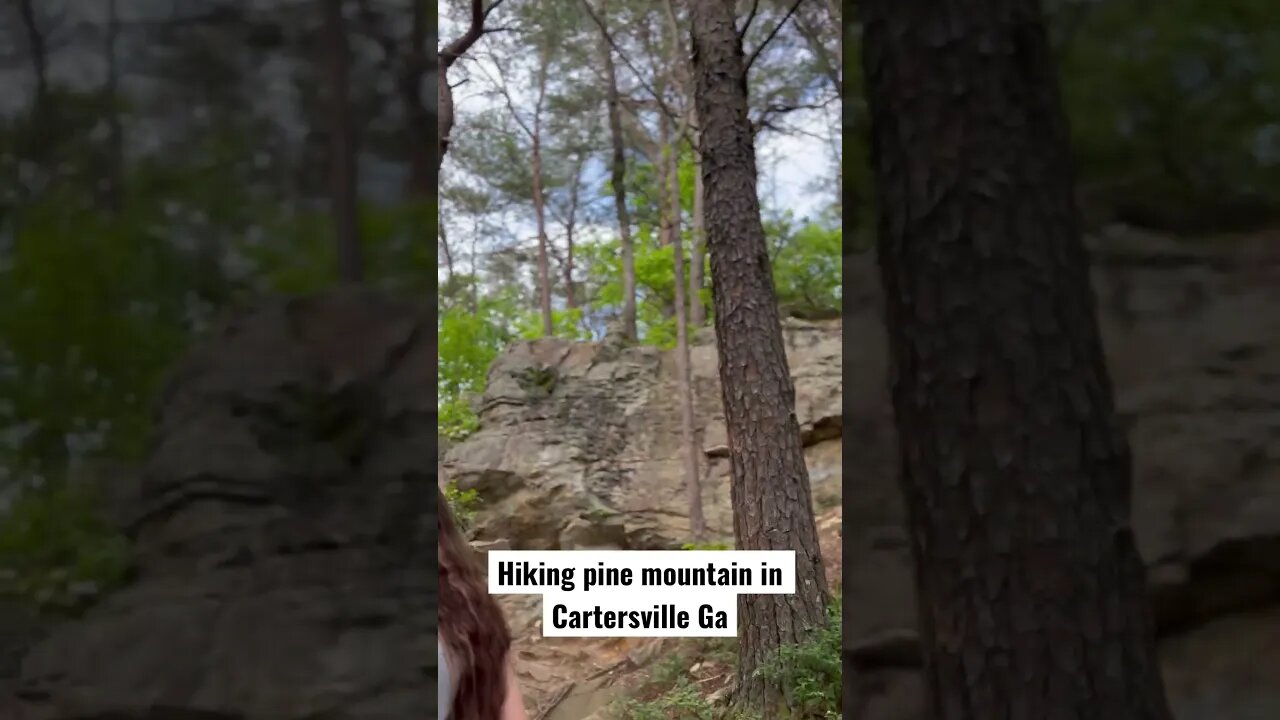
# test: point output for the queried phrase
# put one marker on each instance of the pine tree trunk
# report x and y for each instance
(1015, 468)
(115, 128)
(418, 118)
(770, 493)
(38, 51)
(539, 202)
(692, 481)
(619, 180)
(342, 149)
(570, 296)
(448, 256)
(697, 311)
(544, 266)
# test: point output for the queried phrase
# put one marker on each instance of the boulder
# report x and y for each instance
(579, 444)
(282, 527)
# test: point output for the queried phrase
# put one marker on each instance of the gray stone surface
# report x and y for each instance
(283, 532)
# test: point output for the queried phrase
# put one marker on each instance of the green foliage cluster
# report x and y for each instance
(93, 310)
(1181, 103)
(655, 285)
(684, 701)
(464, 504)
(807, 265)
(669, 692)
(57, 552)
(1172, 113)
(810, 672)
(469, 340)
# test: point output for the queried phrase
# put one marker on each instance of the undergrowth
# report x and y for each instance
(810, 672)
(463, 503)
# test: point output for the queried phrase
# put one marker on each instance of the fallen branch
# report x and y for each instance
(555, 701)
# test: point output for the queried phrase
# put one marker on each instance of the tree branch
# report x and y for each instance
(639, 76)
(455, 49)
(751, 16)
(772, 34)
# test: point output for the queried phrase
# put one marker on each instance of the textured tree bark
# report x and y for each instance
(770, 493)
(342, 146)
(1015, 468)
(619, 179)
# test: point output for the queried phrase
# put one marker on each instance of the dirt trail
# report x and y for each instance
(579, 678)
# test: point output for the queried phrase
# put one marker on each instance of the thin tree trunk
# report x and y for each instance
(770, 491)
(417, 117)
(681, 79)
(667, 215)
(544, 267)
(693, 482)
(475, 271)
(539, 201)
(44, 123)
(697, 311)
(342, 146)
(619, 178)
(115, 187)
(570, 299)
(448, 256)
(1015, 468)
(39, 53)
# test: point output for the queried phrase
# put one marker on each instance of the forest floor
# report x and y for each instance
(580, 678)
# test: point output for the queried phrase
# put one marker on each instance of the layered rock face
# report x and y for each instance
(1192, 335)
(580, 448)
(576, 450)
(283, 531)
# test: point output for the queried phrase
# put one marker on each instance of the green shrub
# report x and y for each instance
(463, 504)
(456, 420)
(682, 702)
(811, 671)
(58, 554)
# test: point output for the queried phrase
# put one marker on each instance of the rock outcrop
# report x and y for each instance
(579, 447)
(283, 533)
(575, 449)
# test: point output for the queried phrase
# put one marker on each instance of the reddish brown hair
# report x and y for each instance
(472, 627)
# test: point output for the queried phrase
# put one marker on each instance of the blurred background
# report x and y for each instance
(161, 161)
(1174, 113)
